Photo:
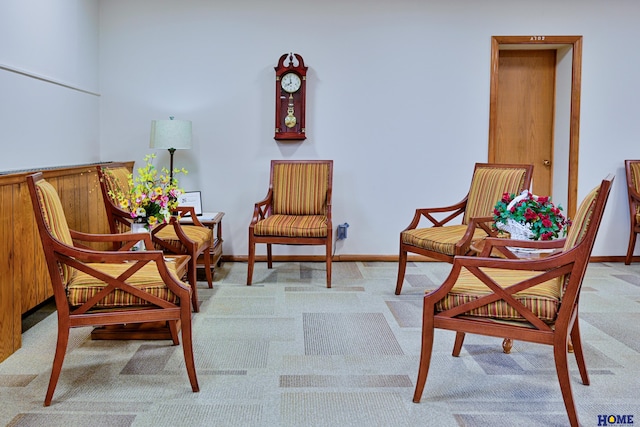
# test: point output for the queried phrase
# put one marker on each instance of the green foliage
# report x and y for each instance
(153, 195)
(537, 213)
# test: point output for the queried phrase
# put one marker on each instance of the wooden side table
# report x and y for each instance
(213, 220)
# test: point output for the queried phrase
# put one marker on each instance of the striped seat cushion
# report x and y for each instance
(292, 226)
(83, 287)
(439, 239)
(543, 299)
(201, 235)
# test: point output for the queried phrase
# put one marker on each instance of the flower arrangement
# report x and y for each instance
(530, 217)
(153, 195)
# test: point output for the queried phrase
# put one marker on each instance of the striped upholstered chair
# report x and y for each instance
(528, 300)
(632, 169)
(296, 210)
(103, 288)
(193, 240)
(447, 236)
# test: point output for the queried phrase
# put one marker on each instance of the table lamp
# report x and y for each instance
(172, 135)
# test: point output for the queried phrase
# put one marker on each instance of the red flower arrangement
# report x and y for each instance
(530, 217)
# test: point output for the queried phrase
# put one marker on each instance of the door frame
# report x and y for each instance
(546, 42)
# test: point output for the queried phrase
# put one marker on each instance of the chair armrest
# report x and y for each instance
(130, 239)
(479, 222)
(456, 210)
(189, 211)
(500, 244)
(262, 208)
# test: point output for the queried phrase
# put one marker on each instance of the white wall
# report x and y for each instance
(398, 96)
(48, 83)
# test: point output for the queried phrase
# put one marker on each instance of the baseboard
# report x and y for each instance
(376, 258)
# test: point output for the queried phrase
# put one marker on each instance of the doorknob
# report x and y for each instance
(547, 162)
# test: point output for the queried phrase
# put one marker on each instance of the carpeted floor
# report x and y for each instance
(289, 352)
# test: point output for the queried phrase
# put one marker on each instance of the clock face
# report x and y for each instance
(290, 82)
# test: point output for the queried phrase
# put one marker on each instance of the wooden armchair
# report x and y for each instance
(193, 240)
(100, 288)
(296, 210)
(534, 301)
(445, 239)
(632, 169)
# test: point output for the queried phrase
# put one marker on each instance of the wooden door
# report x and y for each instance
(526, 94)
(522, 108)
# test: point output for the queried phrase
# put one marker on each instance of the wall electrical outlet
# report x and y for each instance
(342, 231)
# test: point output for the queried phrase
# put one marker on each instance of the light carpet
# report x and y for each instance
(287, 351)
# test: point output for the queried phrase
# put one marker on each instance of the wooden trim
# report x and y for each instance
(377, 258)
(576, 80)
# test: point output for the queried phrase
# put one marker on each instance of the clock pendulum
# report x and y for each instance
(290, 120)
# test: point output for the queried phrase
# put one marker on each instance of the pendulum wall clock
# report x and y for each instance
(291, 91)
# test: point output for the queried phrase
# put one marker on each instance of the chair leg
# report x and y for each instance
(269, 256)
(425, 355)
(193, 281)
(577, 351)
(251, 259)
(207, 266)
(329, 263)
(173, 331)
(632, 245)
(507, 345)
(402, 267)
(562, 370)
(457, 346)
(58, 358)
(187, 347)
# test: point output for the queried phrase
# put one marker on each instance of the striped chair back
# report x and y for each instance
(55, 221)
(634, 169)
(300, 188)
(582, 219)
(487, 187)
(117, 179)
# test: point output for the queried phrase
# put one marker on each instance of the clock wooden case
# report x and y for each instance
(291, 92)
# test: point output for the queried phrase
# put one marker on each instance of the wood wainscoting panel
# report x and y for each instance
(24, 279)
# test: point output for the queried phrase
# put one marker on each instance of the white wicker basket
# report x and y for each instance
(516, 230)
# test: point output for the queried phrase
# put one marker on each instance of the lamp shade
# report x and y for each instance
(170, 134)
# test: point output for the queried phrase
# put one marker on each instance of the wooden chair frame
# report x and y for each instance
(120, 219)
(454, 211)
(633, 184)
(80, 257)
(571, 263)
(262, 210)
